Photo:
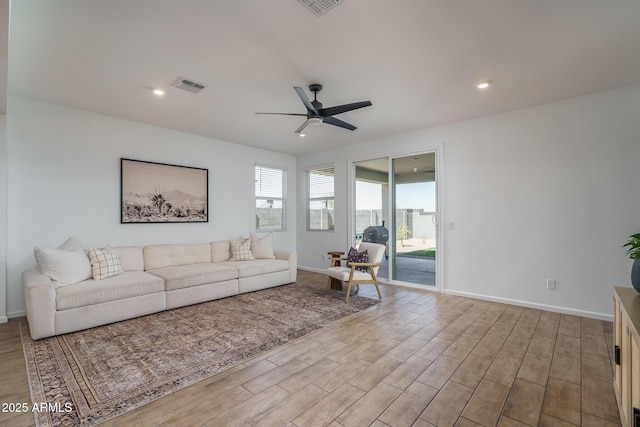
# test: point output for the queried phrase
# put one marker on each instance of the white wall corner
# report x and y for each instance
(14, 314)
(3, 217)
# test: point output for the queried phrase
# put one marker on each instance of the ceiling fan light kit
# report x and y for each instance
(316, 114)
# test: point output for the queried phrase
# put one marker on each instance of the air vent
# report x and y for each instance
(320, 7)
(189, 85)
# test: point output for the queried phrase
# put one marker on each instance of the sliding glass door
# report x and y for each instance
(413, 250)
(372, 205)
(396, 205)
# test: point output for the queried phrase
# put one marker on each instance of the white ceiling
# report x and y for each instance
(416, 60)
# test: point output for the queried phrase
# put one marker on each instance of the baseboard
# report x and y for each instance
(553, 308)
(313, 270)
(4, 319)
(13, 314)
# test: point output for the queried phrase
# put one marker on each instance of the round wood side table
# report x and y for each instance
(336, 284)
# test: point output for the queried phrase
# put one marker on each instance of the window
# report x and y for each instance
(320, 189)
(271, 198)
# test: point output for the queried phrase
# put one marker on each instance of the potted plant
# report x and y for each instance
(634, 253)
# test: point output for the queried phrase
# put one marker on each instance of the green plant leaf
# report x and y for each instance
(634, 246)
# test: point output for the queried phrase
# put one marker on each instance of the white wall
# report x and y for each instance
(546, 192)
(3, 218)
(64, 180)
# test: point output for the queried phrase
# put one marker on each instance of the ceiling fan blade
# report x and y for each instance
(305, 99)
(302, 126)
(286, 114)
(332, 111)
(339, 123)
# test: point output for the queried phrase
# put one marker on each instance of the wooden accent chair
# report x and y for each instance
(355, 276)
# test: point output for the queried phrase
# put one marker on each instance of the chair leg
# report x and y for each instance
(378, 289)
(375, 282)
(349, 283)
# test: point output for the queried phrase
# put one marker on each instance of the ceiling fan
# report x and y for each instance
(316, 114)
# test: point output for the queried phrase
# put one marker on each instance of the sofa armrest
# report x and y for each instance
(40, 303)
(292, 258)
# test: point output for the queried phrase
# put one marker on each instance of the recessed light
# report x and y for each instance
(302, 135)
(483, 85)
(158, 91)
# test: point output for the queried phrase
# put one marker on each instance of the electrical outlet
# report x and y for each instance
(324, 257)
(551, 284)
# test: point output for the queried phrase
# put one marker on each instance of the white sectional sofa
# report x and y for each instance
(153, 278)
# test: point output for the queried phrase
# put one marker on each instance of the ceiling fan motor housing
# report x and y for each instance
(318, 106)
(315, 88)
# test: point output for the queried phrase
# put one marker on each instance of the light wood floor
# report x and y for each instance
(418, 358)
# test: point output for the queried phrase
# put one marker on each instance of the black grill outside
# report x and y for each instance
(375, 234)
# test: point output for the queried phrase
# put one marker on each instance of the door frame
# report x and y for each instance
(440, 211)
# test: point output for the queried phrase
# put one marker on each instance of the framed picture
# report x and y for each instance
(158, 192)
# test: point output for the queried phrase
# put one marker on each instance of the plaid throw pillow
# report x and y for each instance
(354, 256)
(241, 250)
(104, 263)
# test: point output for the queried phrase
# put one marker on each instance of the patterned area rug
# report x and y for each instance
(90, 376)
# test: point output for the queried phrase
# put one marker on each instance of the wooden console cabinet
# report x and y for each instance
(626, 382)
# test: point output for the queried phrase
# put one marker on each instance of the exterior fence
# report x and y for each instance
(419, 224)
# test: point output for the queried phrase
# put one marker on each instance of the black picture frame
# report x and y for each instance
(152, 193)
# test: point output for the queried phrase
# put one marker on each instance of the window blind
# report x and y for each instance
(271, 198)
(320, 199)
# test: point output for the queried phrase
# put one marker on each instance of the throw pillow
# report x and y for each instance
(104, 262)
(262, 245)
(354, 256)
(66, 265)
(241, 250)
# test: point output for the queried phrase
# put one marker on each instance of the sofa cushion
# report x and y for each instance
(241, 250)
(185, 276)
(220, 251)
(105, 262)
(89, 292)
(262, 245)
(259, 266)
(158, 256)
(131, 257)
(66, 265)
